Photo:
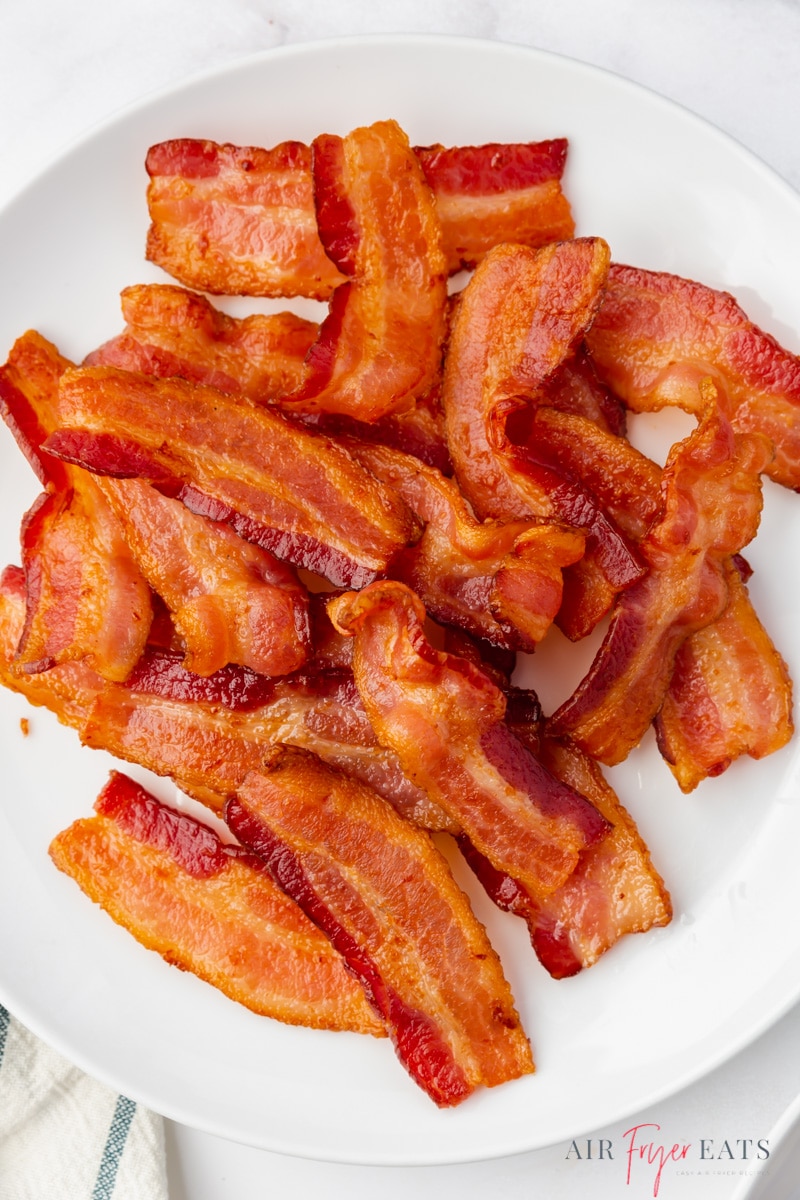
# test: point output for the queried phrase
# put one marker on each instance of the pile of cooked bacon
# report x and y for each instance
(289, 565)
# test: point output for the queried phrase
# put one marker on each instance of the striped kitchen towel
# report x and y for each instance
(64, 1136)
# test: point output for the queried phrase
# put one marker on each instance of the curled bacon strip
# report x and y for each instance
(419, 430)
(29, 402)
(68, 690)
(656, 335)
(520, 317)
(730, 694)
(712, 506)
(210, 908)
(295, 493)
(86, 596)
(704, 723)
(380, 346)
(385, 897)
(442, 716)
(169, 331)
(501, 581)
(236, 219)
(614, 891)
(495, 193)
(231, 602)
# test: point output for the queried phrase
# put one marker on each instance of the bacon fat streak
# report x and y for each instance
(385, 897)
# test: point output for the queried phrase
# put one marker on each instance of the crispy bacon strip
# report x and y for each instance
(170, 331)
(614, 891)
(231, 219)
(703, 724)
(292, 492)
(210, 908)
(380, 347)
(712, 506)
(206, 753)
(237, 219)
(656, 335)
(70, 690)
(520, 317)
(500, 581)
(385, 897)
(86, 597)
(443, 718)
(495, 193)
(419, 431)
(730, 694)
(231, 602)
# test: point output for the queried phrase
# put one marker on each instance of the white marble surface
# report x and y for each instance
(66, 67)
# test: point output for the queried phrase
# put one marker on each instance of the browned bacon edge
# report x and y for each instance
(86, 597)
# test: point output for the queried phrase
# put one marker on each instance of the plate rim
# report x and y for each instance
(153, 96)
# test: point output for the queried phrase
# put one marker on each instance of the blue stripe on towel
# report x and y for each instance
(112, 1151)
(5, 1021)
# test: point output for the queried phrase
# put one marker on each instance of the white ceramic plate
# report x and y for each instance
(667, 192)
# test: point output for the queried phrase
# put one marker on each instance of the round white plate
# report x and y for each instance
(660, 1010)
